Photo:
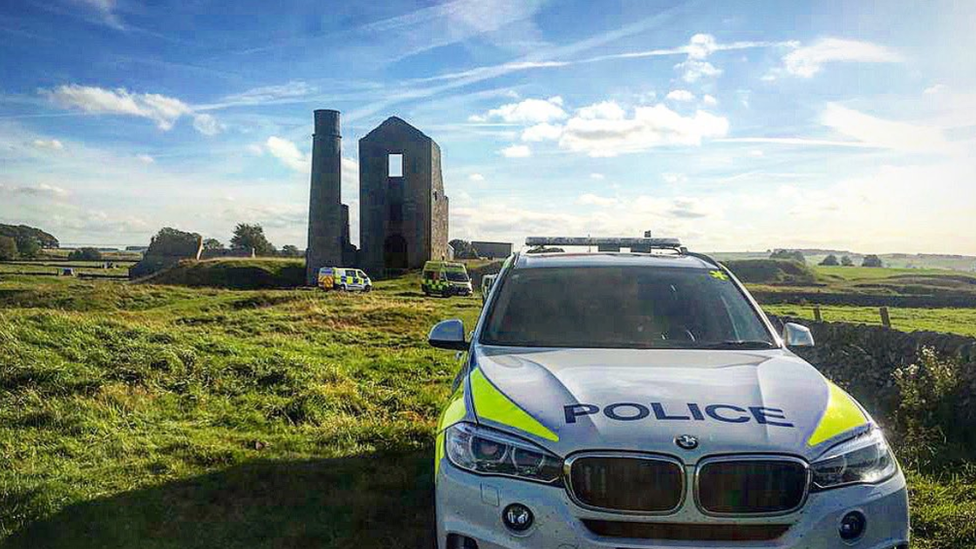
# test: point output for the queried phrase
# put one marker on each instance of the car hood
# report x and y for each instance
(641, 400)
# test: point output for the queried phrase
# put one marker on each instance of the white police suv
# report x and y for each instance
(643, 400)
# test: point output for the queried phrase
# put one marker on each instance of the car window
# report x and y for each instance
(623, 307)
(457, 276)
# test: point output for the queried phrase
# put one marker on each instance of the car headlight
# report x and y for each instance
(865, 459)
(490, 452)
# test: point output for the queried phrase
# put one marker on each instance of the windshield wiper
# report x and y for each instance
(746, 344)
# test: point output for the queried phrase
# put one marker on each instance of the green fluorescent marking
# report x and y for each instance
(841, 415)
(490, 403)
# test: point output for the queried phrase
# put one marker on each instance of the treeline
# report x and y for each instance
(831, 260)
(246, 237)
(21, 241)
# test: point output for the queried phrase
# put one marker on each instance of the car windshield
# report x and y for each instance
(457, 276)
(623, 307)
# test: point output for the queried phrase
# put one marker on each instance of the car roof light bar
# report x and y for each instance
(607, 242)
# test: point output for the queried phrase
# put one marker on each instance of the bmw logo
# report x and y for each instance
(686, 442)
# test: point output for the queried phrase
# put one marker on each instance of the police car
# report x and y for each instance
(345, 279)
(643, 400)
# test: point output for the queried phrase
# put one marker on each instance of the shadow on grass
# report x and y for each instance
(367, 501)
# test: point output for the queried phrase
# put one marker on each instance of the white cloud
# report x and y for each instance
(701, 46)
(256, 149)
(542, 132)
(207, 124)
(674, 177)
(288, 153)
(650, 127)
(267, 94)
(39, 190)
(680, 95)
(709, 100)
(529, 111)
(755, 153)
(887, 134)
(516, 151)
(165, 111)
(106, 12)
(51, 144)
(590, 199)
(937, 88)
(809, 60)
(598, 176)
(145, 158)
(696, 70)
(607, 110)
(476, 177)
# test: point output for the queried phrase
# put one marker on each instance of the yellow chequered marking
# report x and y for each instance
(490, 403)
(841, 415)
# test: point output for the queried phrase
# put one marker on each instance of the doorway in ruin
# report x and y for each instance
(395, 252)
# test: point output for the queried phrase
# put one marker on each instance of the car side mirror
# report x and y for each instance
(795, 335)
(448, 334)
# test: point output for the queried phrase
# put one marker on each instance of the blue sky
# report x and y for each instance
(733, 125)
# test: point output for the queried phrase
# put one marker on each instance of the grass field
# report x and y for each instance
(165, 416)
(957, 321)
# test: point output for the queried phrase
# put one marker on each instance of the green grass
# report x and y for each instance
(138, 415)
(135, 415)
(957, 321)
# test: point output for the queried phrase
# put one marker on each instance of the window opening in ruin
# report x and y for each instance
(395, 165)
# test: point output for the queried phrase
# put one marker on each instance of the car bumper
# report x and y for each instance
(470, 505)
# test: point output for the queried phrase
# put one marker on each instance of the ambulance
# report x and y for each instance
(637, 397)
(445, 278)
(345, 279)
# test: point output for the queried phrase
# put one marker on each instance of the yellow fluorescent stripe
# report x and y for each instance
(842, 414)
(438, 451)
(490, 403)
(455, 410)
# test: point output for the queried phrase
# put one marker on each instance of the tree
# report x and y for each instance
(248, 237)
(846, 261)
(28, 246)
(290, 251)
(788, 255)
(85, 254)
(174, 243)
(872, 261)
(212, 244)
(8, 248)
(463, 249)
(830, 261)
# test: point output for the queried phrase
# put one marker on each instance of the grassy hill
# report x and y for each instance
(239, 274)
(140, 415)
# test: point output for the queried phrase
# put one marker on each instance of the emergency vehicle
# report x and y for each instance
(445, 278)
(346, 279)
(640, 398)
(486, 282)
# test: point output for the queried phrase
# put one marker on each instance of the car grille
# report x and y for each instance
(633, 484)
(686, 532)
(746, 486)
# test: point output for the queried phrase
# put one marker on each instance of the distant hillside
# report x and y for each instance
(772, 272)
(952, 262)
(47, 240)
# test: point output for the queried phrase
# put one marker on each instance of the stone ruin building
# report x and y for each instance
(403, 211)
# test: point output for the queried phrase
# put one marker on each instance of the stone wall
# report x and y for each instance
(864, 300)
(863, 359)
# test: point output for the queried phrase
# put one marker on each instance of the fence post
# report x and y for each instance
(885, 319)
(816, 313)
